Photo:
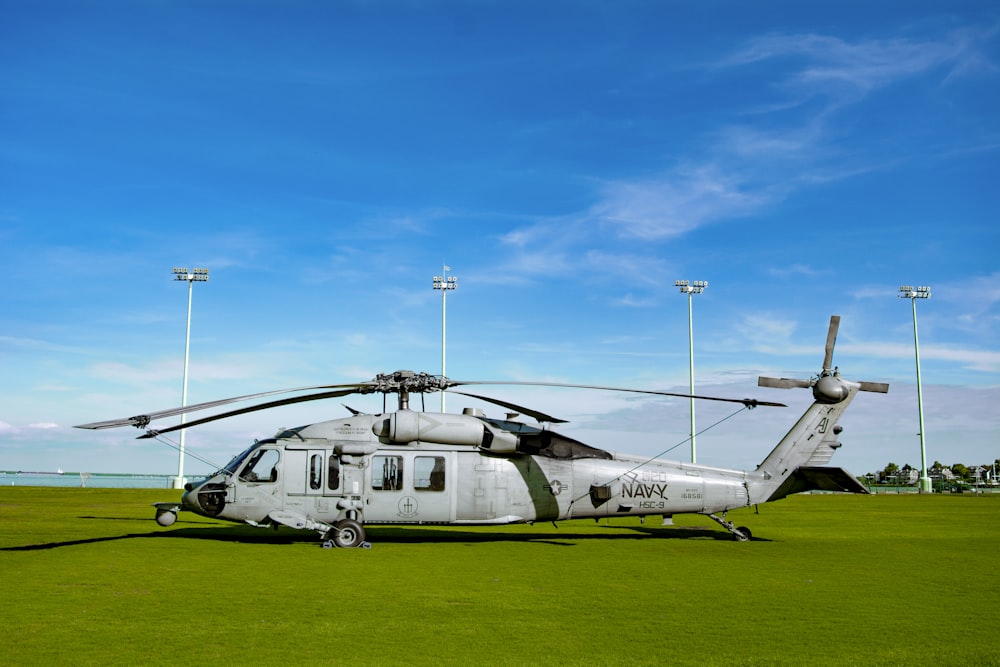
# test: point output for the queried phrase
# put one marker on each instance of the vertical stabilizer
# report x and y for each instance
(795, 465)
(811, 442)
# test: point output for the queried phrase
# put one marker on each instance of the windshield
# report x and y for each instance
(238, 460)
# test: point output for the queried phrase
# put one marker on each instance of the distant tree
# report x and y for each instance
(890, 470)
(960, 470)
(906, 467)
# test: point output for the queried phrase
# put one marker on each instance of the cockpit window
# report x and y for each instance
(262, 467)
(237, 460)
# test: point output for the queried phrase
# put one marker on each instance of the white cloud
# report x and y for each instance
(678, 202)
(987, 361)
(768, 332)
(793, 270)
(745, 168)
(828, 63)
(748, 167)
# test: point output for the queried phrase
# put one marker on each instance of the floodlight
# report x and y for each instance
(922, 292)
(444, 283)
(689, 288)
(199, 275)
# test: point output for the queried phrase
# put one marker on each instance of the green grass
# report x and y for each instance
(89, 578)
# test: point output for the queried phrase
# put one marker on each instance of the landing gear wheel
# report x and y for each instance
(347, 534)
(165, 517)
(741, 534)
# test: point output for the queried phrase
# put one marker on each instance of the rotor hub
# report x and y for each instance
(405, 382)
(830, 389)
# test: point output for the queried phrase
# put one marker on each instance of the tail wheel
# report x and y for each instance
(348, 534)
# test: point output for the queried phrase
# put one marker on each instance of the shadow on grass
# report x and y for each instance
(391, 535)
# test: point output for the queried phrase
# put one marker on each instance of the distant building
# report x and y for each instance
(941, 473)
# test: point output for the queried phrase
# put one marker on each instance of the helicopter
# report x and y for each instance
(415, 467)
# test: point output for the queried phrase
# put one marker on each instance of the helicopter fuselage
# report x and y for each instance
(319, 475)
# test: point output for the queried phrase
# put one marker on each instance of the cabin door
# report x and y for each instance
(311, 477)
(410, 487)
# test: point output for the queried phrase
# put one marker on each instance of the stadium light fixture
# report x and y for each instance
(190, 277)
(691, 288)
(921, 292)
(444, 283)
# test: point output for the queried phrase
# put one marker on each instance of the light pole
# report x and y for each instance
(690, 288)
(922, 292)
(191, 277)
(444, 283)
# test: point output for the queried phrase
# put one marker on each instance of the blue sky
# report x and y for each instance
(568, 160)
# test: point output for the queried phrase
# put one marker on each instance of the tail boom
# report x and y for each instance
(795, 464)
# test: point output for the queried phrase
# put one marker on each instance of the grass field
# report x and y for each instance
(89, 578)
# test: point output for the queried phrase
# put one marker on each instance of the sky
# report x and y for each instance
(567, 160)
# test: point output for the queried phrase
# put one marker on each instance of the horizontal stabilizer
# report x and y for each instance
(818, 479)
(783, 383)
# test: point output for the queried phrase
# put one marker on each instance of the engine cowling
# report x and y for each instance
(499, 441)
(405, 426)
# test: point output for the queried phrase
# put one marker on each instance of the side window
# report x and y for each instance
(428, 473)
(262, 467)
(387, 473)
(333, 475)
(315, 471)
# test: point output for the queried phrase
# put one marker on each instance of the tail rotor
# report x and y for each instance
(827, 387)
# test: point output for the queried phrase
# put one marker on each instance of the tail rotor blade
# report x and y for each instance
(831, 340)
(877, 387)
(783, 383)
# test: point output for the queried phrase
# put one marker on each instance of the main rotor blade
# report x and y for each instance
(540, 416)
(831, 340)
(141, 420)
(749, 402)
(252, 408)
(783, 383)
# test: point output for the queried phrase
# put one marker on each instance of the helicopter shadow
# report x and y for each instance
(424, 535)
(390, 535)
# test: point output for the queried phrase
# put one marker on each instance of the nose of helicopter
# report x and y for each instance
(206, 497)
(189, 499)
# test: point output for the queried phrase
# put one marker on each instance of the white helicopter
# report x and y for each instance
(406, 467)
